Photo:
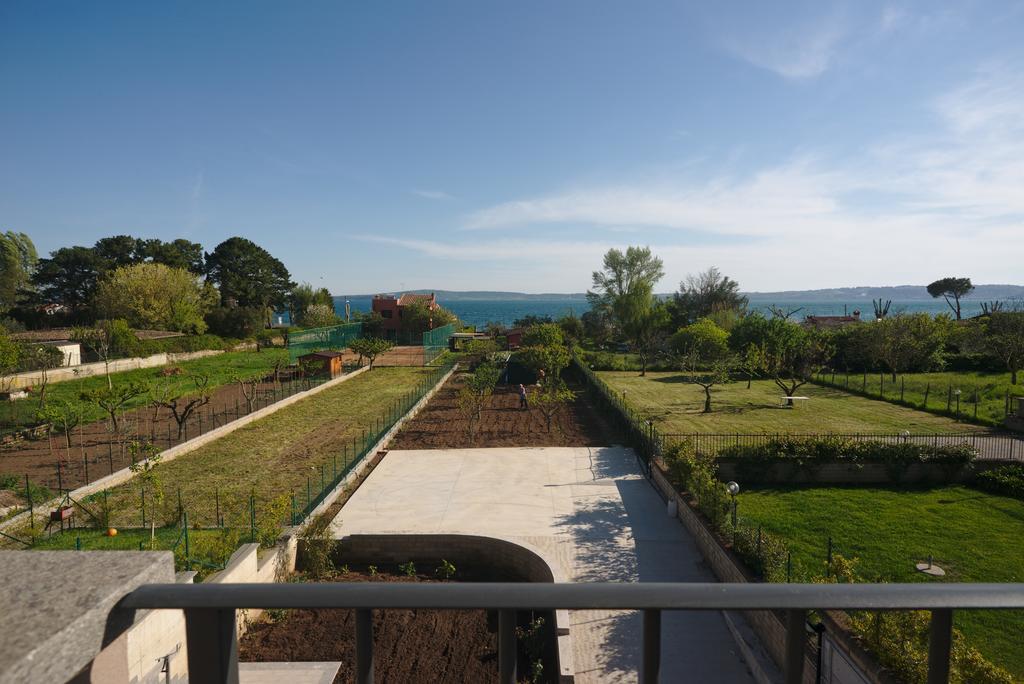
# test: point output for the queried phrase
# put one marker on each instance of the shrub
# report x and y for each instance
(1007, 480)
(840, 449)
(236, 321)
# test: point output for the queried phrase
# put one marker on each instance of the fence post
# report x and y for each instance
(252, 518)
(143, 497)
(31, 506)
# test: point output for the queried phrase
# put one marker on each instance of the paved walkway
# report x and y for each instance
(591, 510)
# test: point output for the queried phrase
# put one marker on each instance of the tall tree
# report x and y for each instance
(247, 274)
(706, 294)
(69, 276)
(117, 251)
(17, 260)
(180, 253)
(910, 342)
(701, 350)
(951, 289)
(1004, 339)
(304, 296)
(791, 352)
(154, 296)
(625, 274)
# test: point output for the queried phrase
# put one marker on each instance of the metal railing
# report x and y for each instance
(211, 630)
(989, 446)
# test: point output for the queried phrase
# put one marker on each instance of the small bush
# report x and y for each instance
(1007, 480)
(840, 449)
(408, 569)
(445, 570)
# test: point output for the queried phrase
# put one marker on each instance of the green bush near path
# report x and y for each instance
(974, 536)
(676, 407)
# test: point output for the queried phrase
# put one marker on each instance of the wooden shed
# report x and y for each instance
(329, 362)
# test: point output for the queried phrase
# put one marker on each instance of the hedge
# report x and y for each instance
(832, 449)
(1007, 480)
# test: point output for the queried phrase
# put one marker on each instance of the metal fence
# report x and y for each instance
(336, 337)
(989, 445)
(435, 342)
(212, 636)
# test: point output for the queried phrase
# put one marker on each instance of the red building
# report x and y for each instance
(390, 309)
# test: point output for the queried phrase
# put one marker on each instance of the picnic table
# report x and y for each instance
(789, 401)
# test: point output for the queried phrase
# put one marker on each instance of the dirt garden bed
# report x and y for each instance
(445, 647)
(440, 425)
(96, 450)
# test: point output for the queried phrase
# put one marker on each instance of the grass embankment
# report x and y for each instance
(973, 536)
(676, 406)
(271, 458)
(220, 368)
(987, 390)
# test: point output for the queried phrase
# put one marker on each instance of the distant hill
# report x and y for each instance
(900, 293)
(486, 295)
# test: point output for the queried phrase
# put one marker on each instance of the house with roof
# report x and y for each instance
(390, 308)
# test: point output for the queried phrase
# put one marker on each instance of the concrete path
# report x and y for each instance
(591, 510)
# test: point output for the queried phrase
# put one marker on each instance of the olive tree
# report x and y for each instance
(370, 348)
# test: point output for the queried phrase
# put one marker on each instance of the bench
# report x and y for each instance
(789, 401)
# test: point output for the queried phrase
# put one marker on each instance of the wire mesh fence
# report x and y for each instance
(335, 337)
(435, 342)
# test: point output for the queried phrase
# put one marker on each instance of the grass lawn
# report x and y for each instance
(990, 389)
(126, 539)
(221, 368)
(272, 457)
(974, 536)
(676, 406)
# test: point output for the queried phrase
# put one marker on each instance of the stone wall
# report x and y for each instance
(84, 370)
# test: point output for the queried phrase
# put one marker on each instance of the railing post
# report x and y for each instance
(795, 636)
(652, 647)
(364, 646)
(212, 645)
(940, 642)
(507, 646)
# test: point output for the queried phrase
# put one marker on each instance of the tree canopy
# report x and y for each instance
(247, 274)
(155, 296)
(17, 260)
(951, 289)
(706, 294)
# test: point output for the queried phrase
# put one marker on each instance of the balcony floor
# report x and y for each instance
(588, 508)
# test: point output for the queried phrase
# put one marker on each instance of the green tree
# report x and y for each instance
(951, 289)
(113, 399)
(248, 275)
(17, 260)
(180, 253)
(544, 350)
(707, 294)
(65, 415)
(182, 405)
(107, 340)
(69, 276)
(41, 358)
(302, 297)
(1004, 339)
(10, 353)
(701, 350)
(370, 348)
(553, 395)
(792, 353)
(702, 341)
(543, 335)
(154, 296)
(319, 316)
(643, 319)
(624, 274)
(572, 328)
(418, 317)
(478, 387)
(909, 342)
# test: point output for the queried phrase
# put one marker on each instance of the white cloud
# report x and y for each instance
(908, 209)
(432, 194)
(799, 54)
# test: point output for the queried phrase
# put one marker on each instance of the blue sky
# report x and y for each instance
(484, 145)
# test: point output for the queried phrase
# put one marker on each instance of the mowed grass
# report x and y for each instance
(125, 540)
(988, 390)
(973, 536)
(272, 457)
(676, 406)
(221, 369)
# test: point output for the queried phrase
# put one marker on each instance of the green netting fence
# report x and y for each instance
(435, 342)
(336, 337)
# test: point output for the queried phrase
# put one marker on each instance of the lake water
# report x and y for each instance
(481, 312)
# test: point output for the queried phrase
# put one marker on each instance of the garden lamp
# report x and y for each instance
(733, 489)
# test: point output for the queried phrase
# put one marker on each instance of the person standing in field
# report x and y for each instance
(523, 404)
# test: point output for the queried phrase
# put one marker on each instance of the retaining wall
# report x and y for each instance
(84, 370)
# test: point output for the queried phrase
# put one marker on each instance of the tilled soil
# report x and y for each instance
(503, 423)
(449, 647)
(96, 452)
